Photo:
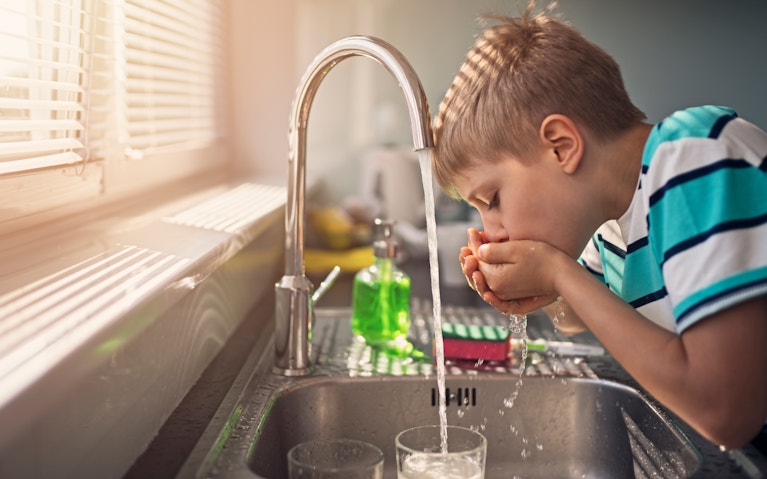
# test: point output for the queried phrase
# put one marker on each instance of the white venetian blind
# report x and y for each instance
(87, 84)
(174, 53)
(42, 53)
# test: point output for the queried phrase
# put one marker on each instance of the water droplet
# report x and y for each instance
(517, 323)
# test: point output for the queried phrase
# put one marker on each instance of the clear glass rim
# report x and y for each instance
(375, 459)
(481, 445)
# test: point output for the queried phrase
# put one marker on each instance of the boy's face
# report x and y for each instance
(530, 200)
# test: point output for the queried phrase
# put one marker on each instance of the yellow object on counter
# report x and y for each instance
(349, 260)
(334, 227)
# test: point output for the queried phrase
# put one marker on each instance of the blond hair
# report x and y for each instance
(519, 72)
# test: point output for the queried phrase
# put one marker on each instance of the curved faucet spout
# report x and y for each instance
(294, 312)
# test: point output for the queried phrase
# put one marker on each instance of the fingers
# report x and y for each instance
(498, 252)
(464, 253)
(515, 251)
(469, 265)
(475, 239)
(480, 284)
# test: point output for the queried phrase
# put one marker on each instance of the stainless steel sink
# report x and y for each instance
(568, 418)
(556, 427)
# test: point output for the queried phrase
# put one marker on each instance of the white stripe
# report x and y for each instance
(739, 140)
(659, 312)
(717, 258)
(633, 224)
(674, 158)
(611, 233)
(747, 141)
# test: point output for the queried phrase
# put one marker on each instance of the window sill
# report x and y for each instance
(105, 326)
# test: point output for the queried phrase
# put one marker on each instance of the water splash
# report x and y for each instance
(518, 327)
(559, 311)
(518, 324)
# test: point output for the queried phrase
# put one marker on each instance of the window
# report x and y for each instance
(107, 97)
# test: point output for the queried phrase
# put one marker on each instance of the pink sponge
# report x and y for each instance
(462, 341)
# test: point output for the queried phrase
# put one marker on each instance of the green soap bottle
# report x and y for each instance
(381, 296)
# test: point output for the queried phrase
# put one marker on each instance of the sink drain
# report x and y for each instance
(456, 396)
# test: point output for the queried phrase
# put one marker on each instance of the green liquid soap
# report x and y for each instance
(381, 307)
(381, 297)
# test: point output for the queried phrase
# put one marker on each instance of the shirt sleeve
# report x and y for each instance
(707, 219)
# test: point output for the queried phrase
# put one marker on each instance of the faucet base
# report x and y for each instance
(294, 318)
(291, 372)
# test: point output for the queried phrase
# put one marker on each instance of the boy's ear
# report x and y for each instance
(561, 137)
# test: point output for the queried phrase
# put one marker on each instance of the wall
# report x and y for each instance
(673, 54)
(263, 78)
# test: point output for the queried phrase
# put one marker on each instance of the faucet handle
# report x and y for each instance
(326, 284)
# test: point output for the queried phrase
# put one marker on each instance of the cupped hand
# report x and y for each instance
(519, 274)
(473, 271)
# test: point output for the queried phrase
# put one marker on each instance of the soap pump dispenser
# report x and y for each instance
(381, 296)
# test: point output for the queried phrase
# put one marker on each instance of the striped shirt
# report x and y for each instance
(694, 239)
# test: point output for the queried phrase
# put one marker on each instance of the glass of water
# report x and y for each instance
(335, 459)
(420, 454)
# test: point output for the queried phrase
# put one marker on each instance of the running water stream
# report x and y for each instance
(517, 325)
(424, 159)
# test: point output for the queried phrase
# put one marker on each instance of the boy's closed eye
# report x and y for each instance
(493, 201)
(482, 202)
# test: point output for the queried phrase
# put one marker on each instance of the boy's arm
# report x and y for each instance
(713, 375)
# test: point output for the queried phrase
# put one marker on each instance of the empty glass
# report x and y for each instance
(335, 459)
(420, 456)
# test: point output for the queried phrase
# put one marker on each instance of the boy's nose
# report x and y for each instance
(494, 232)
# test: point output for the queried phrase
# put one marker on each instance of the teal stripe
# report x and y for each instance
(690, 123)
(722, 288)
(644, 275)
(612, 266)
(696, 206)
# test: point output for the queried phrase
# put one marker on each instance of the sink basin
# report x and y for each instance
(542, 427)
(564, 418)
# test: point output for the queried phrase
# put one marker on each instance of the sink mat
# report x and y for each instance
(334, 346)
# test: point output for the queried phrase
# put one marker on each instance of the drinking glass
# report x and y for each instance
(420, 455)
(335, 459)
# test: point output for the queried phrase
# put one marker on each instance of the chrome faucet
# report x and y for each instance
(294, 312)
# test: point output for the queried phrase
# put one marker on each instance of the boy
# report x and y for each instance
(538, 134)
